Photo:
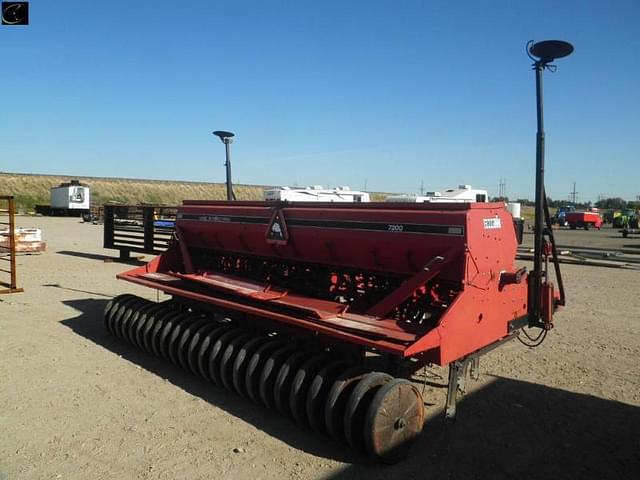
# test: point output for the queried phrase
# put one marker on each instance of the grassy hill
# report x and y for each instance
(30, 190)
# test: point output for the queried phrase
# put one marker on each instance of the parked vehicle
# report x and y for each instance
(584, 220)
(70, 199)
(316, 193)
(462, 194)
(560, 216)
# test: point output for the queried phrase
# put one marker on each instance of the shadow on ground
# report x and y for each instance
(89, 324)
(103, 258)
(57, 285)
(507, 429)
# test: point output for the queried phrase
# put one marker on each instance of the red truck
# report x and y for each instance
(583, 220)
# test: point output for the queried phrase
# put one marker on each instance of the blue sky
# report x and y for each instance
(324, 92)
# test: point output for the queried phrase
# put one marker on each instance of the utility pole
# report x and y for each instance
(574, 194)
(422, 187)
(502, 188)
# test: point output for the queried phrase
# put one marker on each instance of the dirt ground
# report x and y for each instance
(76, 403)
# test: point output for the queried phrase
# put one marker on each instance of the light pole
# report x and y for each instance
(227, 139)
(542, 54)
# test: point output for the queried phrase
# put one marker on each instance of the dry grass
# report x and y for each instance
(30, 190)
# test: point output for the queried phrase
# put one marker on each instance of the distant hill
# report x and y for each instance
(30, 190)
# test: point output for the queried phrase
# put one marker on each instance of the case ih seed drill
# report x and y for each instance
(322, 311)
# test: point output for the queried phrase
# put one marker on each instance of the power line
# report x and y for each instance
(502, 188)
(573, 195)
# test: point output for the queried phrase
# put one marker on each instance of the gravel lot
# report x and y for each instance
(76, 403)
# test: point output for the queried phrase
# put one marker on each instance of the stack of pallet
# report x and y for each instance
(28, 240)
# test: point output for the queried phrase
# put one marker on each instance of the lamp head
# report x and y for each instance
(548, 50)
(225, 137)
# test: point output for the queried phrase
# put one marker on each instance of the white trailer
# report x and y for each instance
(70, 196)
(462, 194)
(67, 199)
(316, 193)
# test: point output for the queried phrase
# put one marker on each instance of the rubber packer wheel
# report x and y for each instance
(111, 307)
(207, 343)
(284, 379)
(269, 374)
(187, 333)
(194, 345)
(357, 406)
(337, 400)
(120, 327)
(241, 363)
(135, 321)
(129, 326)
(229, 356)
(300, 386)
(143, 324)
(217, 351)
(255, 366)
(318, 391)
(113, 320)
(165, 335)
(187, 319)
(393, 421)
(163, 318)
(153, 317)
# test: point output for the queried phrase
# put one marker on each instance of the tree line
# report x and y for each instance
(612, 203)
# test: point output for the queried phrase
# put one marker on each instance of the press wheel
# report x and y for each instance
(393, 421)
(135, 320)
(174, 319)
(300, 386)
(229, 356)
(145, 318)
(209, 341)
(117, 312)
(153, 316)
(112, 306)
(282, 387)
(337, 400)
(122, 328)
(241, 362)
(162, 318)
(194, 345)
(217, 350)
(255, 366)
(318, 391)
(185, 338)
(270, 373)
(357, 405)
(174, 340)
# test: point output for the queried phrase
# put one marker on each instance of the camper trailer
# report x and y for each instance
(462, 194)
(316, 193)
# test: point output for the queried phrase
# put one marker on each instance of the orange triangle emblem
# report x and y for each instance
(277, 232)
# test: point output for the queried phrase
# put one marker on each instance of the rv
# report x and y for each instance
(462, 194)
(316, 193)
